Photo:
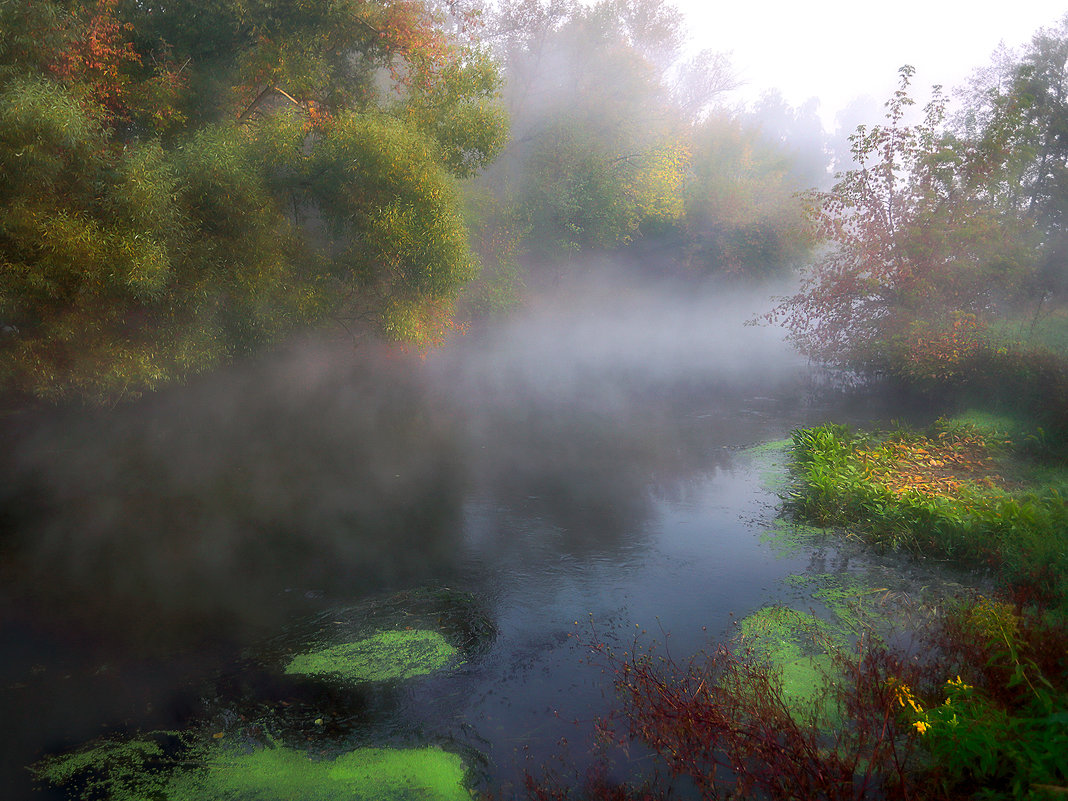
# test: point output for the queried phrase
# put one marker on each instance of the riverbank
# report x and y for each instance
(975, 489)
(990, 704)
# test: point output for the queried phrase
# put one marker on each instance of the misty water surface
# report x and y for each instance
(587, 457)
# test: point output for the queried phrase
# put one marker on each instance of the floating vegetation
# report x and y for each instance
(114, 769)
(798, 646)
(789, 537)
(770, 460)
(264, 717)
(366, 774)
(386, 656)
(853, 603)
(141, 768)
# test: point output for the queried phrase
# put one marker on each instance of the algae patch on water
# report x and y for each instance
(139, 769)
(366, 774)
(386, 656)
(771, 460)
(789, 537)
(798, 646)
(116, 769)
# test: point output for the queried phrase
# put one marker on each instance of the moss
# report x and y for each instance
(366, 774)
(387, 656)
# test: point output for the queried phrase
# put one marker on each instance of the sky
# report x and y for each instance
(837, 50)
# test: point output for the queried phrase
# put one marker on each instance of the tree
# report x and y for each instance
(919, 250)
(597, 150)
(157, 219)
(743, 213)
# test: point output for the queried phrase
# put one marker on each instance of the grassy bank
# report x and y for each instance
(969, 490)
(989, 708)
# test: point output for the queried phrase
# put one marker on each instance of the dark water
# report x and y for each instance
(585, 462)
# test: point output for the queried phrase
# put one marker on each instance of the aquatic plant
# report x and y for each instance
(147, 767)
(366, 774)
(386, 656)
(788, 537)
(114, 768)
(731, 726)
(992, 707)
(797, 647)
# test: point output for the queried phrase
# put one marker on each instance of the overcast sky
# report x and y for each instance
(836, 50)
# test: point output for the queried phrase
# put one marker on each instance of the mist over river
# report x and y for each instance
(588, 456)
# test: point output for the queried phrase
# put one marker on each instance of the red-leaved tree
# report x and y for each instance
(920, 254)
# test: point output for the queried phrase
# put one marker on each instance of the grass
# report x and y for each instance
(956, 492)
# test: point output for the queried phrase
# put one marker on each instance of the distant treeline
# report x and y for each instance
(186, 181)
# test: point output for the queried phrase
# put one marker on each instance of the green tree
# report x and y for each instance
(179, 188)
(596, 149)
(743, 212)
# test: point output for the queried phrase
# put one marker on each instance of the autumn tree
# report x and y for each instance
(920, 254)
(182, 183)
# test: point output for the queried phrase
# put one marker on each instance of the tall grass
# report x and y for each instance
(1018, 530)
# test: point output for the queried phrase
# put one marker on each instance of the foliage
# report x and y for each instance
(595, 153)
(1001, 727)
(996, 723)
(1017, 111)
(943, 495)
(183, 185)
(921, 249)
(726, 722)
(977, 712)
(743, 214)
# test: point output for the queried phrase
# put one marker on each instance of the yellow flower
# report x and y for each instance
(920, 726)
(958, 683)
(905, 696)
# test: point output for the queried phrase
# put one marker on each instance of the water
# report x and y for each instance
(582, 470)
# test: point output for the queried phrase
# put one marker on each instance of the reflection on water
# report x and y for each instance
(584, 459)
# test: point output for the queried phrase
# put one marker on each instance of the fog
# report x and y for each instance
(325, 469)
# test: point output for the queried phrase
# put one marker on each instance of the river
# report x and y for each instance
(585, 466)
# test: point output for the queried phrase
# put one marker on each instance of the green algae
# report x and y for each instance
(780, 634)
(386, 656)
(112, 769)
(770, 460)
(789, 538)
(366, 774)
(775, 447)
(138, 769)
(798, 646)
(849, 600)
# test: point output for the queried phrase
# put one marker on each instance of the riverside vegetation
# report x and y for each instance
(974, 704)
